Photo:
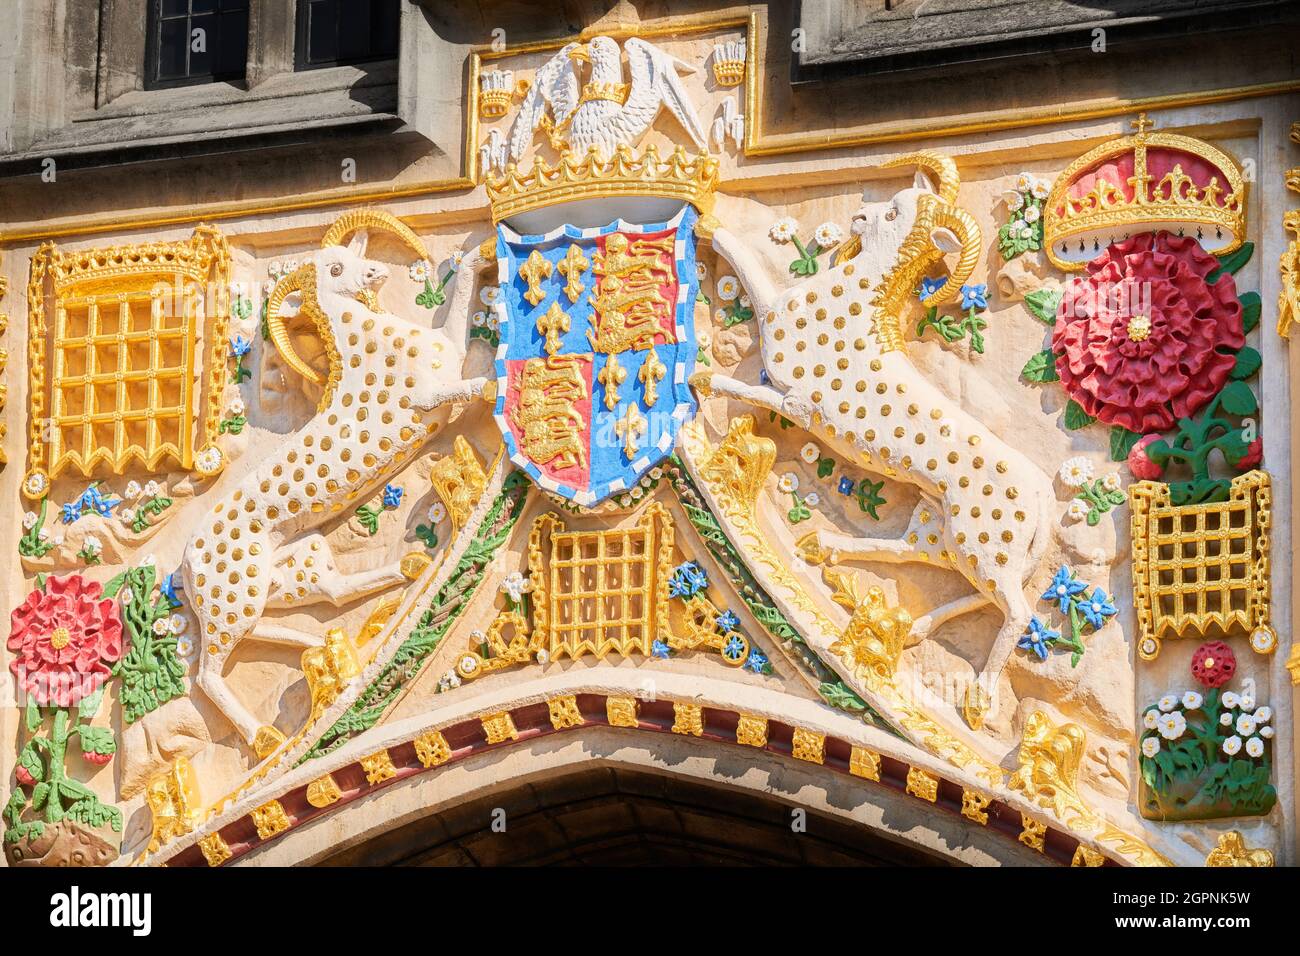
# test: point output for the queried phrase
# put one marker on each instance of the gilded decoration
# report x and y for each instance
(808, 745)
(1048, 769)
(1033, 833)
(1231, 850)
(378, 767)
(1202, 570)
(114, 335)
(498, 728)
(270, 819)
(1087, 211)
(1086, 856)
(173, 799)
(215, 851)
(922, 785)
(751, 730)
(323, 791)
(688, 719)
(621, 711)
(973, 805)
(864, 763)
(459, 480)
(1288, 299)
(564, 712)
(431, 749)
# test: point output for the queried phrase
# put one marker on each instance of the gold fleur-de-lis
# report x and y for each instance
(534, 271)
(572, 266)
(630, 428)
(651, 374)
(612, 376)
(551, 325)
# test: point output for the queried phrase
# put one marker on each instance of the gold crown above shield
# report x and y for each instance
(691, 179)
(1143, 183)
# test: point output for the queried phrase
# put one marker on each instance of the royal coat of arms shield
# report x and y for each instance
(597, 345)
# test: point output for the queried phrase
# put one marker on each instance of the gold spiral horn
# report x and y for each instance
(968, 233)
(303, 281)
(943, 168)
(348, 223)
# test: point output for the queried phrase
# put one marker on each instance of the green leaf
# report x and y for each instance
(1250, 310)
(1043, 303)
(1121, 442)
(1076, 417)
(33, 716)
(1232, 262)
(89, 705)
(838, 695)
(825, 466)
(1041, 368)
(1248, 363)
(1237, 399)
(96, 740)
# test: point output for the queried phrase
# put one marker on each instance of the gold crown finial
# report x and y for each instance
(1141, 124)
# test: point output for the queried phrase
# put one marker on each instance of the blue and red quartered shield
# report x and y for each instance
(597, 344)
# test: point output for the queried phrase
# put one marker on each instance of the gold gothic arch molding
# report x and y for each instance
(763, 742)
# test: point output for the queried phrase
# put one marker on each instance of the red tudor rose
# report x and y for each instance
(65, 637)
(1144, 340)
(1213, 664)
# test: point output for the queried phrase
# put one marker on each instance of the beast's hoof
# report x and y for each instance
(414, 563)
(975, 706)
(702, 382)
(267, 742)
(810, 548)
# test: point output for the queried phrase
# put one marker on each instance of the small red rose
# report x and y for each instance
(24, 776)
(1140, 463)
(1254, 455)
(1213, 664)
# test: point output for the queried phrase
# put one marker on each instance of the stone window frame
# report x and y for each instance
(107, 108)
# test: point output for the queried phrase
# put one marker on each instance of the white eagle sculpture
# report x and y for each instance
(605, 112)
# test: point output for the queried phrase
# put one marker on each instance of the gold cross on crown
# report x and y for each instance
(1141, 124)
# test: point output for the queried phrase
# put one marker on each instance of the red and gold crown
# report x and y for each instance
(1144, 183)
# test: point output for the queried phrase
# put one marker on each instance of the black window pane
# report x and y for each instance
(203, 43)
(333, 32)
(172, 49)
(196, 41)
(232, 52)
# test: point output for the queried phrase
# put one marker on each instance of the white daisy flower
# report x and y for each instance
(1111, 481)
(1246, 725)
(478, 319)
(788, 483)
(132, 489)
(1032, 214)
(810, 453)
(1232, 745)
(1264, 715)
(29, 520)
(1266, 733)
(1025, 181)
(1039, 190)
(515, 585)
(701, 271)
(455, 260)
(208, 460)
(185, 647)
(35, 484)
(745, 301)
(1192, 700)
(489, 294)
(236, 406)
(1026, 231)
(1018, 226)
(58, 539)
(728, 287)
(704, 339)
(437, 511)
(1076, 471)
(151, 489)
(783, 229)
(291, 266)
(1225, 719)
(542, 656)
(1255, 747)
(161, 626)
(494, 321)
(637, 493)
(1015, 199)
(1230, 700)
(275, 269)
(828, 234)
(1172, 726)
(126, 596)
(720, 316)
(1167, 703)
(177, 623)
(92, 544)
(126, 514)
(1077, 510)
(1150, 746)
(812, 499)
(1248, 702)
(1150, 718)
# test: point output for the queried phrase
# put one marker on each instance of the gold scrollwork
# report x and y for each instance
(459, 480)
(214, 849)
(270, 819)
(499, 727)
(973, 805)
(323, 791)
(864, 763)
(1231, 850)
(751, 730)
(1049, 761)
(173, 799)
(328, 669)
(1033, 834)
(808, 745)
(564, 712)
(688, 719)
(922, 785)
(621, 711)
(378, 767)
(431, 749)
